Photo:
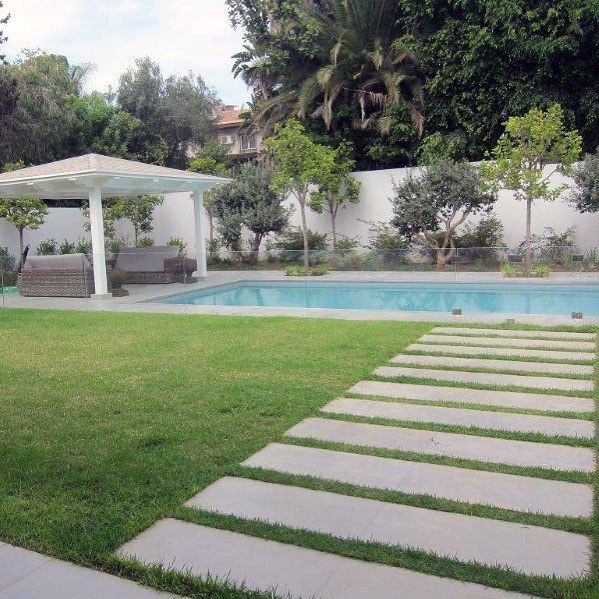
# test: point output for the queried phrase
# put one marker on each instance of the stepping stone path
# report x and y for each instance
(402, 416)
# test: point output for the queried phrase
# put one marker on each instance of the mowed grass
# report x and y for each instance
(108, 421)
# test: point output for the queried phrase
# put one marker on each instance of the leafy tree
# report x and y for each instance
(430, 207)
(249, 201)
(298, 164)
(439, 146)
(478, 61)
(336, 188)
(585, 195)
(213, 158)
(533, 147)
(40, 127)
(179, 110)
(125, 136)
(139, 210)
(3, 38)
(311, 58)
(263, 212)
(486, 60)
(23, 213)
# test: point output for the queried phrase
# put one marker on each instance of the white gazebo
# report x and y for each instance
(94, 177)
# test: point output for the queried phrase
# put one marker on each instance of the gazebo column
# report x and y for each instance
(198, 212)
(96, 220)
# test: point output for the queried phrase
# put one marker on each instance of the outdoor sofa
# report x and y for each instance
(154, 265)
(69, 275)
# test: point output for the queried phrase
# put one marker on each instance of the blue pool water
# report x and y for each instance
(428, 297)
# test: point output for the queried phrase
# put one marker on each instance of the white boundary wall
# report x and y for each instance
(175, 217)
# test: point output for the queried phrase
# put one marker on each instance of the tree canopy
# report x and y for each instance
(46, 116)
(533, 147)
(585, 195)
(298, 163)
(463, 66)
(430, 206)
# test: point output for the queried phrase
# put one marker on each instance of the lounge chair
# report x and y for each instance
(69, 275)
(154, 265)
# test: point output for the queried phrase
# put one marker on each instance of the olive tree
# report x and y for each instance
(249, 200)
(299, 163)
(585, 193)
(430, 206)
(531, 150)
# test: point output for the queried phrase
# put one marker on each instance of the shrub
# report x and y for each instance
(292, 240)
(47, 247)
(295, 270)
(320, 270)
(7, 260)
(553, 247)
(509, 270)
(291, 244)
(480, 242)
(542, 271)
(114, 246)
(180, 243)
(354, 261)
(144, 242)
(83, 246)
(66, 247)
(384, 237)
(347, 244)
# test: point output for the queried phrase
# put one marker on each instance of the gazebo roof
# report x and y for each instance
(74, 177)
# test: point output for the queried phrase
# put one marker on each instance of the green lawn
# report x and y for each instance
(109, 421)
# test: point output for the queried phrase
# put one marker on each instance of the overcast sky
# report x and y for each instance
(181, 35)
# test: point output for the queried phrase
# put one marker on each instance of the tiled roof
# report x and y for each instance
(95, 164)
(230, 116)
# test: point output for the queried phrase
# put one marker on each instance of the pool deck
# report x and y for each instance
(139, 297)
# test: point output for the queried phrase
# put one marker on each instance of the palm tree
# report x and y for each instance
(354, 60)
(366, 64)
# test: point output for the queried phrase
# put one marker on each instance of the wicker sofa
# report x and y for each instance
(70, 275)
(154, 265)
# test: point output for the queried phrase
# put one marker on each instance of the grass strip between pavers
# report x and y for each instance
(392, 555)
(416, 352)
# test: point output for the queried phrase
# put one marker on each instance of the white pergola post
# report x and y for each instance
(198, 213)
(96, 219)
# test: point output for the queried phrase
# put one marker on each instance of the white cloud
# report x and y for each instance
(182, 36)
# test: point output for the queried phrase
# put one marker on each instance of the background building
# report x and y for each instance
(231, 132)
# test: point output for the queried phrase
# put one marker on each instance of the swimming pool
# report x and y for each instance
(513, 298)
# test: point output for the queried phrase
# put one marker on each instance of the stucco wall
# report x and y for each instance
(60, 223)
(175, 217)
(374, 205)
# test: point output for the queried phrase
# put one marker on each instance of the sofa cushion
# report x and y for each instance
(145, 259)
(61, 262)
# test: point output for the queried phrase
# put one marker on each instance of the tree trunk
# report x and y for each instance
(334, 230)
(20, 250)
(528, 241)
(256, 247)
(444, 255)
(211, 227)
(302, 204)
(333, 213)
